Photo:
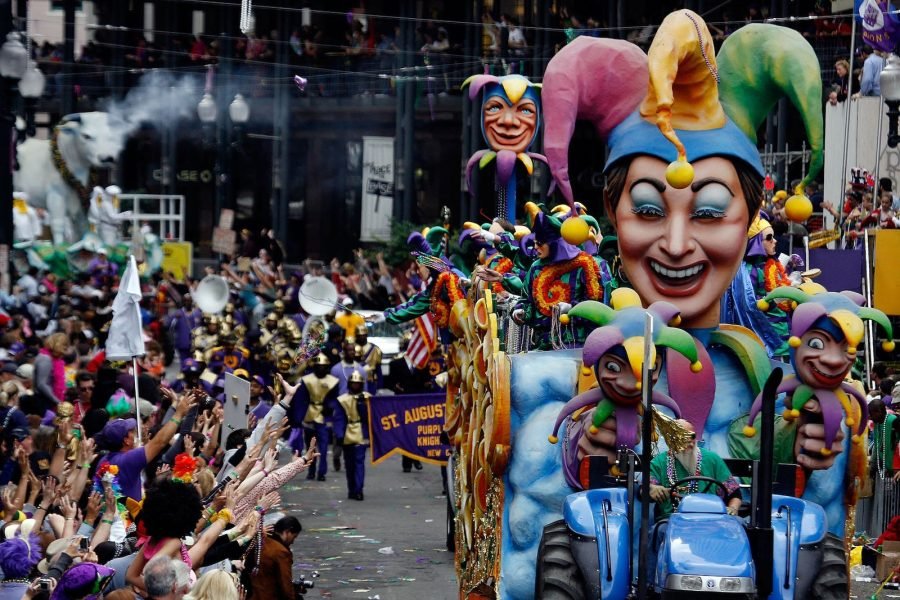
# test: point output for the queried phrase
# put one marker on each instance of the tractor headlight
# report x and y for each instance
(691, 582)
(730, 584)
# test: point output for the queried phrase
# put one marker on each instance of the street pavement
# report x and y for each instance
(405, 512)
(390, 546)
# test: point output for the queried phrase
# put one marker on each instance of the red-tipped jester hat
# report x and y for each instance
(621, 332)
(826, 328)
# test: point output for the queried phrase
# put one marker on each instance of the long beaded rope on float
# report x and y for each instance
(709, 65)
(83, 191)
(670, 470)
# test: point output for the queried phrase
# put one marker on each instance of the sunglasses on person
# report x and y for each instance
(769, 237)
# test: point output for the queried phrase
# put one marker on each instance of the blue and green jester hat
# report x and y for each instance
(695, 104)
(841, 315)
(621, 331)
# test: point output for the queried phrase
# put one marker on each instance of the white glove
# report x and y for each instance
(377, 318)
(441, 379)
(518, 316)
(488, 237)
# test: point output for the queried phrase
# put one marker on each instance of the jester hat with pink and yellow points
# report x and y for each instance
(844, 311)
(622, 324)
(681, 102)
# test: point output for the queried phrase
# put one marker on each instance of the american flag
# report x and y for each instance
(423, 341)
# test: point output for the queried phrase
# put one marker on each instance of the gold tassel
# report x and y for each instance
(677, 437)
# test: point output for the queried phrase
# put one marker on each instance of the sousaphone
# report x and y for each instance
(212, 294)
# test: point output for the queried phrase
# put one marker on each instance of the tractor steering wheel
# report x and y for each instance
(708, 480)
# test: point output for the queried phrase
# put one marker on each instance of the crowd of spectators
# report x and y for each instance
(121, 479)
(362, 55)
(107, 496)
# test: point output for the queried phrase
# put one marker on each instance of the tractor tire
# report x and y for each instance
(831, 582)
(451, 527)
(557, 576)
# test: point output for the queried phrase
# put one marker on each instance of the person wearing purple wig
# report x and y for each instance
(18, 557)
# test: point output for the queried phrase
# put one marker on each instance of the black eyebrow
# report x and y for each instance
(697, 185)
(656, 183)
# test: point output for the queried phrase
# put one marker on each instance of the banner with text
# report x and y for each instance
(409, 424)
(880, 28)
(377, 188)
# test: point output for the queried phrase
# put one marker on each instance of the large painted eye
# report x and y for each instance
(613, 366)
(816, 343)
(493, 108)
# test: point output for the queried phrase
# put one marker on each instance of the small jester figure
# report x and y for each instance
(826, 328)
(313, 402)
(561, 276)
(615, 353)
(510, 120)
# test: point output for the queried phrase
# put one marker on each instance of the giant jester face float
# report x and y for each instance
(684, 177)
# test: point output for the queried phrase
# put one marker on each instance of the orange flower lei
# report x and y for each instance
(548, 289)
(444, 295)
(775, 276)
(502, 265)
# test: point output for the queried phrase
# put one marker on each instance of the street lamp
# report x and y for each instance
(13, 63)
(890, 91)
(31, 88)
(206, 109)
(239, 110)
(13, 57)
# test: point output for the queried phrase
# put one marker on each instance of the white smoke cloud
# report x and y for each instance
(160, 98)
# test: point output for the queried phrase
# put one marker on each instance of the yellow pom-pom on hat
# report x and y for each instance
(749, 430)
(552, 439)
(798, 208)
(888, 345)
(762, 305)
(677, 61)
(696, 366)
(794, 341)
(575, 230)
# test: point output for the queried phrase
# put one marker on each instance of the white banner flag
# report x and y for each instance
(126, 337)
(377, 188)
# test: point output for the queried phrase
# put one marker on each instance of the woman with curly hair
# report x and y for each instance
(171, 511)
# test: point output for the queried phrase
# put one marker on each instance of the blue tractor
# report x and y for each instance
(779, 549)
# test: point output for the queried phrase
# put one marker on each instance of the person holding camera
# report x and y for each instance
(274, 580)
(351, 427)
